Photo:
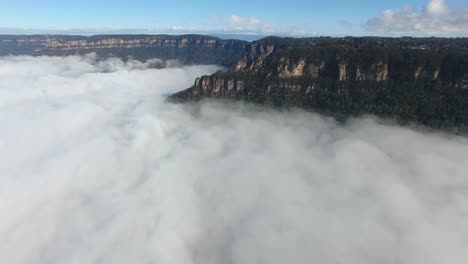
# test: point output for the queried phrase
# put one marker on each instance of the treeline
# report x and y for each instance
(426, 102)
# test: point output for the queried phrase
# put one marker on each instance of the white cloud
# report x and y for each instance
(96, 168)
(437, 7)
(178, 28)
(236, 24)
(233, 24)
(253, 25)
(249, 24)
(436, 19)
(244, 20)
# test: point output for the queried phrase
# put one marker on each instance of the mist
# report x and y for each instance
(97, 168)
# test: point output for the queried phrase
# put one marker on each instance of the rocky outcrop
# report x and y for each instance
(422, 73)
(217, 85)
(298, 69)
(209, 86)
(254, 56)
(288, 69)
(343, 75)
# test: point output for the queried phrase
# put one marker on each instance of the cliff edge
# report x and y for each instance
(421, 80)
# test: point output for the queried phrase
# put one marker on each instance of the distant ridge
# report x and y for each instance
(188, 49)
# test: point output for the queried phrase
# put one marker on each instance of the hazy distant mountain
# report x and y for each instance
(239, 36)
(188, 49)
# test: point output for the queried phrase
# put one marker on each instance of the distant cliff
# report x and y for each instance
(422, 80)
(189, 49)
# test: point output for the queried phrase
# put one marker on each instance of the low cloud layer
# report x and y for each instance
(435, 19)
(97, 168)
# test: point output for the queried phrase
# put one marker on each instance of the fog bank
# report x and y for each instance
(97, 168)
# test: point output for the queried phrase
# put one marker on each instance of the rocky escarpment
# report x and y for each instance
(427, 84)
(119, 42)
(189, 49)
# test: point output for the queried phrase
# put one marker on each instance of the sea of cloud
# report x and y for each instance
(96, 168)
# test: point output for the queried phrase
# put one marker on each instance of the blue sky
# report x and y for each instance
(294, 17)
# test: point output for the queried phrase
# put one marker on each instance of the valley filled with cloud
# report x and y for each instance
(97, 168)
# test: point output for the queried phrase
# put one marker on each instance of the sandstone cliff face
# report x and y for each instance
(209, 86)
(254, 56)
(346, 71)
(224, 86)
(377, 72)
(288, 69)
(261, 58)
(343, 75)
(115, 42)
